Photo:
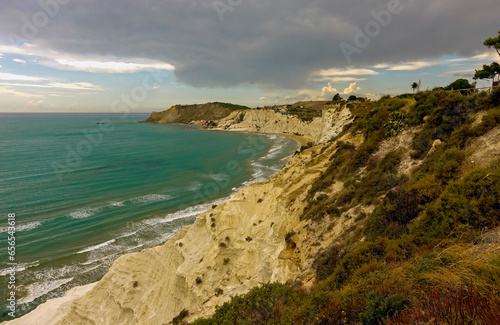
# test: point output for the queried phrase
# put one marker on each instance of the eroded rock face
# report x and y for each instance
(319, 130)
(189, 113)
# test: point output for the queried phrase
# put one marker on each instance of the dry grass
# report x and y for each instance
(453, 306)
(455, 265)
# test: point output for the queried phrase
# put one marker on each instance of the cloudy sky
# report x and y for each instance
(103, 55)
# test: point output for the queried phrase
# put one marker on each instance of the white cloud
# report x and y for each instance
(39, 105)
(16, 93)
(348, 72)
(352, 89)
(328, 91)
(373, 96)
(337, 79)
(381, 66)
(19, 61)
(9, 49)
(18, 77)
(262, 99)
(62, 61)
(74, 86)
(109, 66)
(57, 85)
(490, 55)
(410, 66)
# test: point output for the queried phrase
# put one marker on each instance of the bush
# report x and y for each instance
(494, 98)
(259, 306)
(354, 259)
(396, 124)
(324, 264)
(449, 115)
(471, 202)
(448, 165)
(426, 190)
(462, 305)
(489, 121)
(381, 179)
(344, 151)
(379, 307)
(426, 103)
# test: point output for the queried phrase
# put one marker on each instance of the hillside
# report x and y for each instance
(397, 207)
(401, 226)
(190, 113)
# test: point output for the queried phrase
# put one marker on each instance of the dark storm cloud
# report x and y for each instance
(276, 42)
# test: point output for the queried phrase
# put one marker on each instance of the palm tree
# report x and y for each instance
(414, 86)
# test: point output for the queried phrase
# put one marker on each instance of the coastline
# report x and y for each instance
(49, 312)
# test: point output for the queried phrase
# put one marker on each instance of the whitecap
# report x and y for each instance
(219, 177)
(39, 289)
(151, 198)
(92, 248)
(23, 227)
(83, 213)
(127, 234)
(116, 204)
(182, 214)
(20, 267)
(193, 186)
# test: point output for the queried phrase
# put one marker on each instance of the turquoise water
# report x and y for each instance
(86, 193)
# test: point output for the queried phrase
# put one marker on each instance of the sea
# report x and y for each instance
(85, 189)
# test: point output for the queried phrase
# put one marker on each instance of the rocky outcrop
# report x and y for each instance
(188, 113)
(319, 130)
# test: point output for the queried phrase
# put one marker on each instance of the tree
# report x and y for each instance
(351, 98)
(336, 98)
(459, 84)
(488, 71)
(493, 42)
(492, 70)
(414, 86)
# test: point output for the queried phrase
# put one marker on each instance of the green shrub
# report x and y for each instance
(426, 190)
(344, 151)
(325, 262)
(471, 202)
(395, 125)
(448, 165)
(260, 305)
(381, 179)
(494, 98)
(449, 115)
(489, 121)
(426, 103)
(354, 259)
(379, 307)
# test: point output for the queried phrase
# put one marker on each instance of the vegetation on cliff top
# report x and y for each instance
(427, 254)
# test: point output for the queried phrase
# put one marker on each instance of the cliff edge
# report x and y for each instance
(188, 113)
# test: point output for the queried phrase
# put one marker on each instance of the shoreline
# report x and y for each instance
(48, 310)
(303, 141)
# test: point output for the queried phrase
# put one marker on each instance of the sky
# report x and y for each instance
(139, 56)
